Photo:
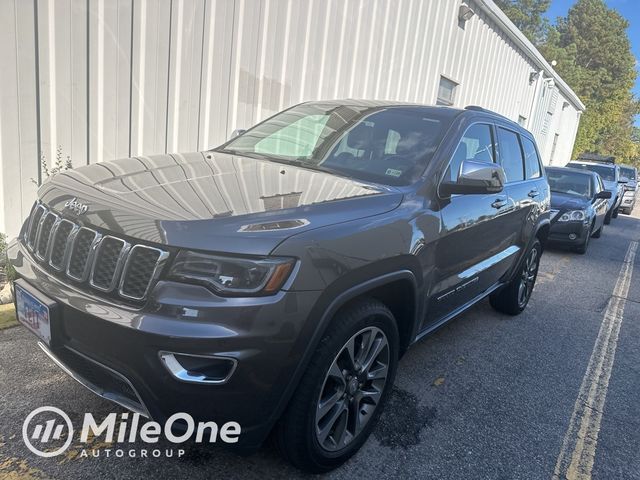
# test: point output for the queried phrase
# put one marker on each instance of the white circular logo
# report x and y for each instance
(43, 432)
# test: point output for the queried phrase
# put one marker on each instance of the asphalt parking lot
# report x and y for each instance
(487, 396)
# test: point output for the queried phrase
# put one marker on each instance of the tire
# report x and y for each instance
(309, 439)
(607, 218)
(615, 213)
(510, 299)
(598, 233)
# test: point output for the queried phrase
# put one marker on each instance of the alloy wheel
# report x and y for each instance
(352, 388)
(528, 277)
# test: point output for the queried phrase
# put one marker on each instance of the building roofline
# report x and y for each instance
(491, 9)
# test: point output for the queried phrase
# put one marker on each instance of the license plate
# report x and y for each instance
(33, 314)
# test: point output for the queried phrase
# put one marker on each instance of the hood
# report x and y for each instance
(567, 201)
(212, 201)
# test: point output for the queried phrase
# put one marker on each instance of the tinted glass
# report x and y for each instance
(531, 159)
(607, 173)
(387, 145)
(630, 173)
(574, 183)
(476, 144)
(510, 155)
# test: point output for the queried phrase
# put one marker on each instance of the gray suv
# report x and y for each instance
(276, 280)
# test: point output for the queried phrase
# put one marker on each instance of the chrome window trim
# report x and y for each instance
(119, 262)
(164, 255)
(87, 266)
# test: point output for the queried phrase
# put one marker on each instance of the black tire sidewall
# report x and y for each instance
(310, 456)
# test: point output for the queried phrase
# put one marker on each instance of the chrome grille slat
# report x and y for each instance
(45, 228)
(34, 223)
(59, 247)
(139, 273)
(84, 244)
(106, 263)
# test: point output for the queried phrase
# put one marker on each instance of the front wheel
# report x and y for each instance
(615, 213)
(607, 217)
(514, 297)
(343, 391)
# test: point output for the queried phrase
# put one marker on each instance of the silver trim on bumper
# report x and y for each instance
(176, 369)
(113, 397)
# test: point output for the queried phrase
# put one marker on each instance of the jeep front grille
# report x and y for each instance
(104, 262)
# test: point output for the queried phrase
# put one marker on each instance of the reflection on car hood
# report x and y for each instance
(213, 201)
(567, 201)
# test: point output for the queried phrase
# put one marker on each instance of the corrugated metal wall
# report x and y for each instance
(102, 79)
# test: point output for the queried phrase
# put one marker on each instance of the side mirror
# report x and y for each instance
(603, 194)
(623, 180)
(476, 177)
(237, 133)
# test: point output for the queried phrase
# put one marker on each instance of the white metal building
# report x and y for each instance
(103, 79)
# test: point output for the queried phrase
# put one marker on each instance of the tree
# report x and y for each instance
(528, 16)
(594, 57)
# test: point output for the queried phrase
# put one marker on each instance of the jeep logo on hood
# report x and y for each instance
(77, 207)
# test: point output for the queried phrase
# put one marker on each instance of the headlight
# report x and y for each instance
(573, 216)
(232, 276)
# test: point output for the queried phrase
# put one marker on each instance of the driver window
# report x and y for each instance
(476, 144)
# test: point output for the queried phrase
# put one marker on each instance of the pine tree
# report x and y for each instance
(594, 57)
(528, 16)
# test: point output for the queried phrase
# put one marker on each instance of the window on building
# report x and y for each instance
(476, 144)
(531, 159)
(511, 155)
(522, 121)
(446, 91)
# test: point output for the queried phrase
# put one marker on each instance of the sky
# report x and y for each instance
(628, 8)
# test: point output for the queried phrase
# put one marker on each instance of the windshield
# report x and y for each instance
(573, 183)
(607, 173)
(628, 172)
(390, 145)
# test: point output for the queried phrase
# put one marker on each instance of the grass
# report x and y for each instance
(7, 316)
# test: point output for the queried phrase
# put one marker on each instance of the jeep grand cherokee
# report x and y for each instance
(276, 280)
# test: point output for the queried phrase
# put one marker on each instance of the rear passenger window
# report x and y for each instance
(531, 159)
(476, 144)
(511, 155)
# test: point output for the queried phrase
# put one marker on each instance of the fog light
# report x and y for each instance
(572, 236)
(190, 368)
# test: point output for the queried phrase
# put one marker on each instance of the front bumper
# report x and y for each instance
(569, 233)
(628, 200)
(92, 337)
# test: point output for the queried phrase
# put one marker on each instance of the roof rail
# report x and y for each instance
(477, 108)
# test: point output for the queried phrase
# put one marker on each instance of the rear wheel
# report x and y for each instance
(343, 391)
(615, 213)
(514, 297)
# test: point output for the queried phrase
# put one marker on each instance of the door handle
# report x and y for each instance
(534, 193)
(499, 203)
